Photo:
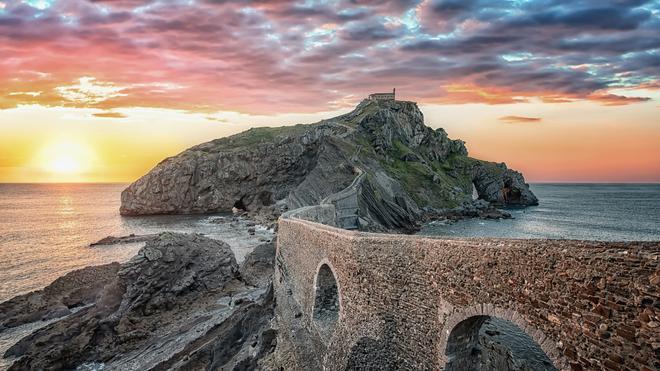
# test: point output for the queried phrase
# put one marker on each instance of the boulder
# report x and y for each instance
(257, 268)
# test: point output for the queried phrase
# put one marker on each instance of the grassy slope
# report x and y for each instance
(417, 179)
(252, 137)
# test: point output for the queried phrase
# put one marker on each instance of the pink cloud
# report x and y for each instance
(263, 56)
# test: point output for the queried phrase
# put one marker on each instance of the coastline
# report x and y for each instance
(243, 234)
(239, 226)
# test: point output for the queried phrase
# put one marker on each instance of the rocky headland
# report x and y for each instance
(403, 172)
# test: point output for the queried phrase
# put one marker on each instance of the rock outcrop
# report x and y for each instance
(180, 301)
(73, 290)
(257, 268)
(406, 168)
(132, 238)
(502, 186)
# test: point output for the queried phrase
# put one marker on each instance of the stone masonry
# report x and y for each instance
(588, 305)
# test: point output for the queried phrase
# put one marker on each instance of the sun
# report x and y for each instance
(65, 164)
(66, 159)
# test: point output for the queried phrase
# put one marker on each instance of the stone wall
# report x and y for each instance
(323, 214)
(588, 305)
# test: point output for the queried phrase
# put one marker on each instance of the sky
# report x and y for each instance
(101, 91)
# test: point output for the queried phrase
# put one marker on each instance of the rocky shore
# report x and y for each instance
(182, 302)
(75, 289)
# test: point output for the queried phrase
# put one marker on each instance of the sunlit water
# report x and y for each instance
(46, 229)
(606, 212)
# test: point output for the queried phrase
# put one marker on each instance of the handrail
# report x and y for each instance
(350, 188)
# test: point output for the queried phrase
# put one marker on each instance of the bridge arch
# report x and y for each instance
(423, 287)
(327, 298)
(460, 337)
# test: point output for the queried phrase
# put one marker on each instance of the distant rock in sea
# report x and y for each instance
(403, 171)
(132, 238)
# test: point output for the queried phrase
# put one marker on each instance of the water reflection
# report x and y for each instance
(65, 205)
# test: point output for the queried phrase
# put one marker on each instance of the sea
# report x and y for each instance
(46, 231)
(604, 212)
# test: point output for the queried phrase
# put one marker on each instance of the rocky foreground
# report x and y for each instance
(181, 303)
(407, 172)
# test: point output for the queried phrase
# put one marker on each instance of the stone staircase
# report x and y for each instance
(346, 204)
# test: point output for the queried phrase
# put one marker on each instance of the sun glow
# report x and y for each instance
(66, 159)
(64, 164)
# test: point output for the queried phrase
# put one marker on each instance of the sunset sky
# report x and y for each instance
(94, 90)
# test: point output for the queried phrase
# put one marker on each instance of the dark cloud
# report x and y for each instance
(610, 44)
(473, 44)
(596, 18)
(453, 8)
(373, 30)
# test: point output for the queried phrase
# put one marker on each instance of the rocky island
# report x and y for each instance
(403, 172)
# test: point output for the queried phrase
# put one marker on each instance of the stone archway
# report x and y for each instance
(483, 337)
(327, 301)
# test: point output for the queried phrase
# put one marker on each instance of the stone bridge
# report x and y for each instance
(354, 300)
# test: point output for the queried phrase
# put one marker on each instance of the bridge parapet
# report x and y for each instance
(402, 299)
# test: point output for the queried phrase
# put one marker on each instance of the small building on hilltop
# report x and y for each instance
(383, 96)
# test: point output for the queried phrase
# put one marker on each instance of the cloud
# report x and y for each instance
(599, 17)
(616, 100)
(28, 93)
(216, 119)
(270, 56)
(519, 119)
(110, 114)
(373, 30)
(89, 91)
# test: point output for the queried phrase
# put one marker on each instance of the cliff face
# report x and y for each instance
(407, 169)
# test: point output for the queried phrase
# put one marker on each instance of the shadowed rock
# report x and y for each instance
(74, 289)
(257, 268)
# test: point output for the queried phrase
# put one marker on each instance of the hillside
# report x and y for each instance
(407, 171)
